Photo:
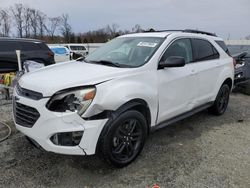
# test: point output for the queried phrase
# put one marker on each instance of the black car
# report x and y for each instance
(34, 50)
(241, 53)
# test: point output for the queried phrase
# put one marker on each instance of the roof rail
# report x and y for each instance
(173, 30)
(199, 32)
(185, 30)
(20, 39)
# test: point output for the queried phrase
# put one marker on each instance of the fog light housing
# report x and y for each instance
(239, 75)
(67, 138)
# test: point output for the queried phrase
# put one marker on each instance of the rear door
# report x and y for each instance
(8, 58)
(177, 86)
(208, 68)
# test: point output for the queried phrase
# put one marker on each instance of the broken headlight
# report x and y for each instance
(77, 100)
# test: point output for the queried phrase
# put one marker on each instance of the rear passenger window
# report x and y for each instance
(30, 46)
(9, 46)
(204, 50)
(180, 48)
(43, 46)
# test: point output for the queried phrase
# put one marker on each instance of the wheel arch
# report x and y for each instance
(139, 105)
(229, 82)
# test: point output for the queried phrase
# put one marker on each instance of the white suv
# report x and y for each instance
(109, 102)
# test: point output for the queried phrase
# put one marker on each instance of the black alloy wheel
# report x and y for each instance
(127, 140)
(220, 105)
(124, 139)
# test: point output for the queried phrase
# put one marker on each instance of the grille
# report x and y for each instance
(28, 93)
(24, 115)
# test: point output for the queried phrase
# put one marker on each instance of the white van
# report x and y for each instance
(78, 49)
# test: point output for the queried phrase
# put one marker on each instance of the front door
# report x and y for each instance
(177, 86)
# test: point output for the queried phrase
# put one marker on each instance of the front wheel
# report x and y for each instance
(220, 104)
(124, 139)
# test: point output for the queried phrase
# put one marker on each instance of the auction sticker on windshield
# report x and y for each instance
(147, 44)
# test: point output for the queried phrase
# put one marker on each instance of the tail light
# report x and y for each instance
(234, 62)
(50, 54)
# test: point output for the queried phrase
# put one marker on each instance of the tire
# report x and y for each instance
(220, 104)
(124, 139)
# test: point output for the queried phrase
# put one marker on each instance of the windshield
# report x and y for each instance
(234, 49)
(80, 48)
(126, 51)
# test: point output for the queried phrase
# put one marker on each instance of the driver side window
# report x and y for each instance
(180, 48)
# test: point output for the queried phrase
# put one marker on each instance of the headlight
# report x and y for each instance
(77, 100)
(238, 65)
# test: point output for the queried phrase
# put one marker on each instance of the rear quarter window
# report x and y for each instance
(30, 46)
(43, 46)
(204, 50)
(223, 46)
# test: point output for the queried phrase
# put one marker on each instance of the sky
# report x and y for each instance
(227, 18)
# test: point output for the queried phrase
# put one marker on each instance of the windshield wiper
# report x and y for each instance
(105, 62)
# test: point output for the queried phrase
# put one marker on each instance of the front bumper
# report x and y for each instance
(50, 123)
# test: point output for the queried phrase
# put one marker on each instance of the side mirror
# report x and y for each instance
(173, 61)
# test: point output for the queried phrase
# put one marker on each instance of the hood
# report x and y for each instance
(61, 76)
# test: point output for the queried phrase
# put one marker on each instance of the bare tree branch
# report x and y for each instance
(27, 21)
(18, 12)
(137, 29)
(66, 28)
(34, 19)
(112, 30)
(41, 23)
(5, 20)
(53, 25)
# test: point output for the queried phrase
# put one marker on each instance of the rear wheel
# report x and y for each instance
(125, 139)
(221, 102)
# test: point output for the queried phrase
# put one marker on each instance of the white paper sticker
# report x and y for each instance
(147, 44)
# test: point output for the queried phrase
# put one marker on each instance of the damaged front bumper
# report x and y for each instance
(64, 133)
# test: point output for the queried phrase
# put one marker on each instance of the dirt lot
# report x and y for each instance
(201, 151)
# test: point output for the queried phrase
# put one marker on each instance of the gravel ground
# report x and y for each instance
(201, 151)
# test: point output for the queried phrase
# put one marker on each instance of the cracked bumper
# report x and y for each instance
(50, 123)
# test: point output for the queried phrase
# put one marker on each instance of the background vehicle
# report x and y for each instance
(77, 50)
(121, 92)
(34, 50)
(62, 53)
(241, 53)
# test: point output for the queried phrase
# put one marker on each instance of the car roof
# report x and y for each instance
(148, 34)
(20, 39)
(187, 33)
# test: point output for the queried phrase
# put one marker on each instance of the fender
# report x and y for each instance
(224, 75)
(122, 91)
(112, 115)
